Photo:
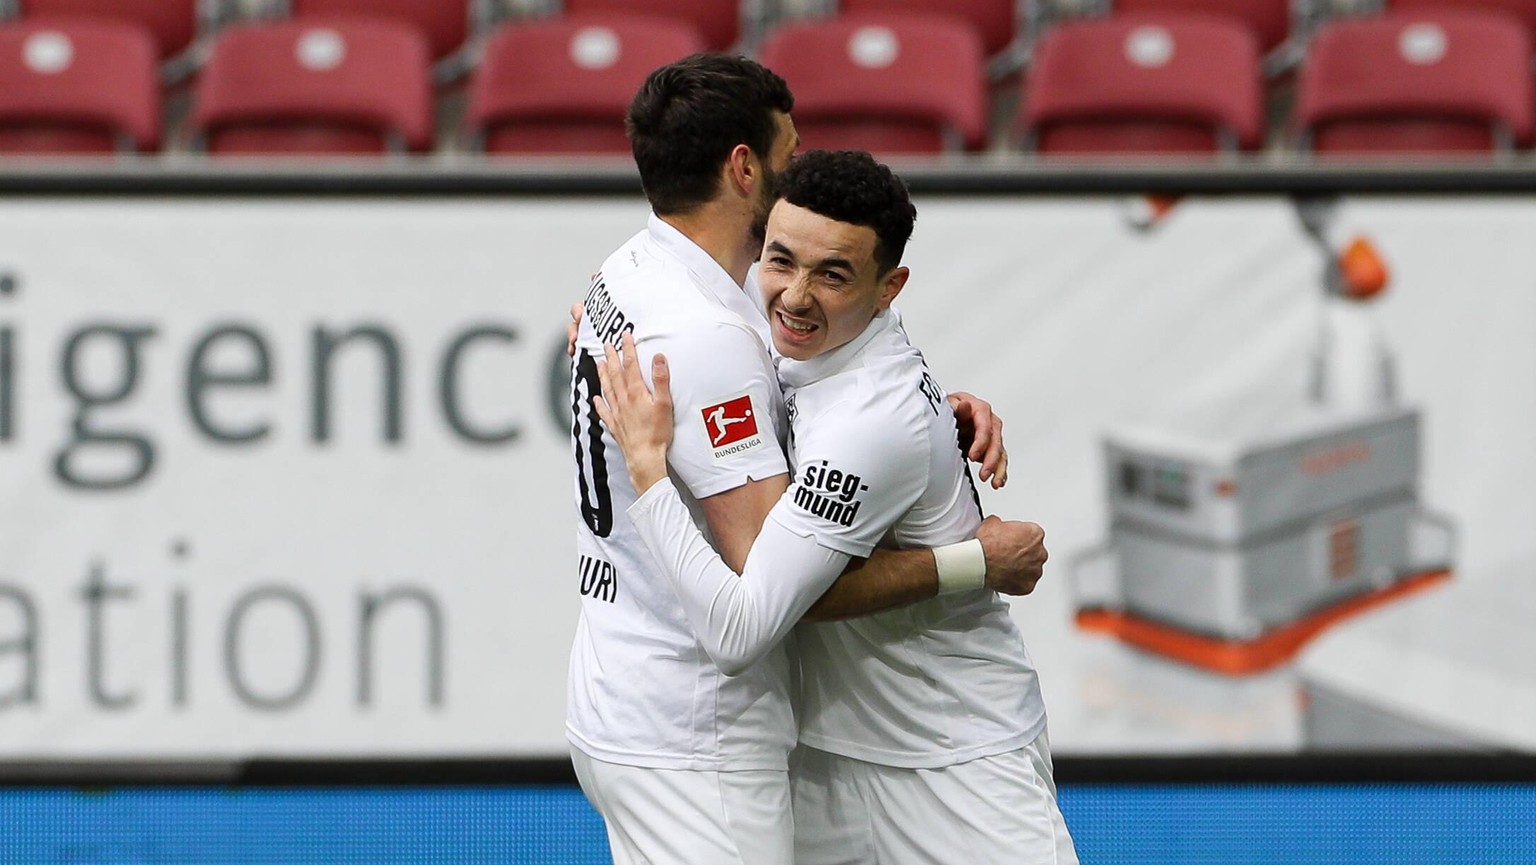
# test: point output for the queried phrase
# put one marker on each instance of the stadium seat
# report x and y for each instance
(172, 23)
(1270, 20)
(1447, 82)
(997, 22)
(78, 86)
(562, 85)
(446, 23)
(891, 84)
(1163, 84)
(720, 21)
(336, 86)
(1525, 10)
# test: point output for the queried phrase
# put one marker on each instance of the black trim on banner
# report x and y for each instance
(969, 175)
(1279, 769)
(1406, 767)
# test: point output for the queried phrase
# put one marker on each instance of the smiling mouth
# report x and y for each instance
(798, 328)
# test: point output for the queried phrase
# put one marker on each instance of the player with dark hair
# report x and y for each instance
(850, 186)
(686, 759)
(688, 115)
(921, 728)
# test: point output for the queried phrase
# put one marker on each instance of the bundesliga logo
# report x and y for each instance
(730, 422)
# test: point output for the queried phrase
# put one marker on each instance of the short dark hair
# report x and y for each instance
(689, 115)
(850, 186)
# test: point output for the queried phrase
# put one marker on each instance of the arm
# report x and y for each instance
(887, 579)
(740, 612)
(1015, 551)
(1015, 561)
(644, 424)
(735, 517)
(738, 618)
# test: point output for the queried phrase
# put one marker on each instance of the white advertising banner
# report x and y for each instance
(292, 478)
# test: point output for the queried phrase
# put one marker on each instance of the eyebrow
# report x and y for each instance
(825, 263)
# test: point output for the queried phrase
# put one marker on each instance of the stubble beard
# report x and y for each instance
(770, 195)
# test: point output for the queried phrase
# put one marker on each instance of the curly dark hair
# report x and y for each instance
(850, 186)
(689, 115)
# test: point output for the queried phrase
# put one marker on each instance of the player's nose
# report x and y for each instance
(797, 295)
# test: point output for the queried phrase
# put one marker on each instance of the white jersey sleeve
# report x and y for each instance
(840, 505)
(736, 618)
(724, 397)
(857, 471)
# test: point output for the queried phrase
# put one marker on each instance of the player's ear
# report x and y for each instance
(742, 169)
(891, 285)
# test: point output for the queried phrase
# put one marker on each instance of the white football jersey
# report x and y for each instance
(877, 462)
(642, 692)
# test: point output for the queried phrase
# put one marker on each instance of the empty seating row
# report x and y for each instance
(1444, 81)
(1005, 27)
(172, 25)
(1430, 81)
(451, 27)
(342, 85)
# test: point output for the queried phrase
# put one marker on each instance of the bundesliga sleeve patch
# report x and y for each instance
(731, 426)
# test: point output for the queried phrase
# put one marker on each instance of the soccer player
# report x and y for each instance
(922, 729)
(687, 763)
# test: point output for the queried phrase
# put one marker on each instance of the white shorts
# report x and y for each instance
(992, 811)
(687, 817)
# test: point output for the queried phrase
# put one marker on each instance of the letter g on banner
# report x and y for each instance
(88, 397)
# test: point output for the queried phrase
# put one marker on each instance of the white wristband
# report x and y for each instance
(962, 567)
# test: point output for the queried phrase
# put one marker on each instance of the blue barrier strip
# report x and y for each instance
(1400, 824)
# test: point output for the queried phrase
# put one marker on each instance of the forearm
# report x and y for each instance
(736, 618)
(887, 579)
(895, 578)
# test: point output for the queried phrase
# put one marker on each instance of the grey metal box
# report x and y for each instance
(1233, 481)
(1240, 590)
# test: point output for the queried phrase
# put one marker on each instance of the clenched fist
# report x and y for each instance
(1015, 553)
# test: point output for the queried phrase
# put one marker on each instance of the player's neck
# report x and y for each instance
(720, 229)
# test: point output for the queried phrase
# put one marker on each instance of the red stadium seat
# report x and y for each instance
(78, 86)
(172, 23)
(1525, 10)
(896, 83)
(1450, 82)
(1166, 84)
(718, 20)
(997, 22)
(445, 23)
(342, 85)
(1270, 20)
(562, 85)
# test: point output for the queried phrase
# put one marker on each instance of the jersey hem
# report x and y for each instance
(835, 543)
(936, 760)
(663, 760)
(745, 475)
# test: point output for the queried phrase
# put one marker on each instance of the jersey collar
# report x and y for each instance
(710, 276)
(799, 373)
